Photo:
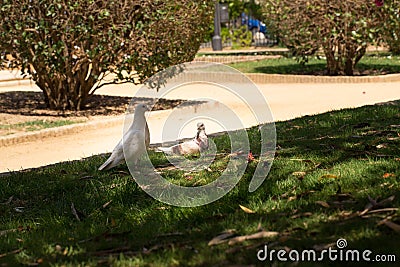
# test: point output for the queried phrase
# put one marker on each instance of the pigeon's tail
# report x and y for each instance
(171, 150)
(105, 166)
(166, 150)
(108, 164)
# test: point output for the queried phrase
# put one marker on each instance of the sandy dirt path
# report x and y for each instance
(286, 101)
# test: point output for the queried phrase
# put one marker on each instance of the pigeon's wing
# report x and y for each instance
(203, 141)
(116, 158)
(190, 147)
(172, 150)
(134, 145)
(147, 136)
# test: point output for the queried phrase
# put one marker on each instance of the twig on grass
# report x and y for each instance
(11, 253)
(74, 212)
(8, 201)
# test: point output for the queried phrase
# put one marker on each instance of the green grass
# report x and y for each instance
(326, 168)
(373, 64)
(36, 125)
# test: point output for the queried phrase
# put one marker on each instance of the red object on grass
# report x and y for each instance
(250, 157)
(379, 2)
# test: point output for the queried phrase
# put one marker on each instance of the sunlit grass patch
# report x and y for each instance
(36, 125)
(368, 65)
(335, 175)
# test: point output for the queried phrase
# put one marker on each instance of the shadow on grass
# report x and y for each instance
(368, 66)
(327, 167)
(295, 69)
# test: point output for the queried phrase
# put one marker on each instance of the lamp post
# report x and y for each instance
(217, 40)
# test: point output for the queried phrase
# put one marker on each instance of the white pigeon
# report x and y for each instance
(136, 139)
(147, 136)
(198, 144)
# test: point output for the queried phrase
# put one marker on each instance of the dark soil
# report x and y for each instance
(32, 104)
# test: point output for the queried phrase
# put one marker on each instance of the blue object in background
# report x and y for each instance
(253, 23)
(244, 18)
(263, 28)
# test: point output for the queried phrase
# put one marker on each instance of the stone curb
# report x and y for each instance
(59, 131)
(259, 77)
(278, 78)
(233, 59)
(15, 82)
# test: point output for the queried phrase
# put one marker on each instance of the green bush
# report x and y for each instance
(69, 47)
(242, 37)
(342, 29)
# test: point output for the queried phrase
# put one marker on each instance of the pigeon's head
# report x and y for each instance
(141, 107)
(200, 126)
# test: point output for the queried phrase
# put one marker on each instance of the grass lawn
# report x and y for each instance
(36, 125)
(335, 175)
(368, 65)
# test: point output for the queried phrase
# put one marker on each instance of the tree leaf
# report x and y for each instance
(247, 210)
(328, 176)
(322, 203)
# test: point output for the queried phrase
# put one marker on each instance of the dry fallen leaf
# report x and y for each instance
(299, 173)
(247, 210)
(387, 175)
(322, 203)
(105, 205)
(331, 176)
(236, 153)
(222, 238)
(304, 214)
(381, 146)
(259, 235)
